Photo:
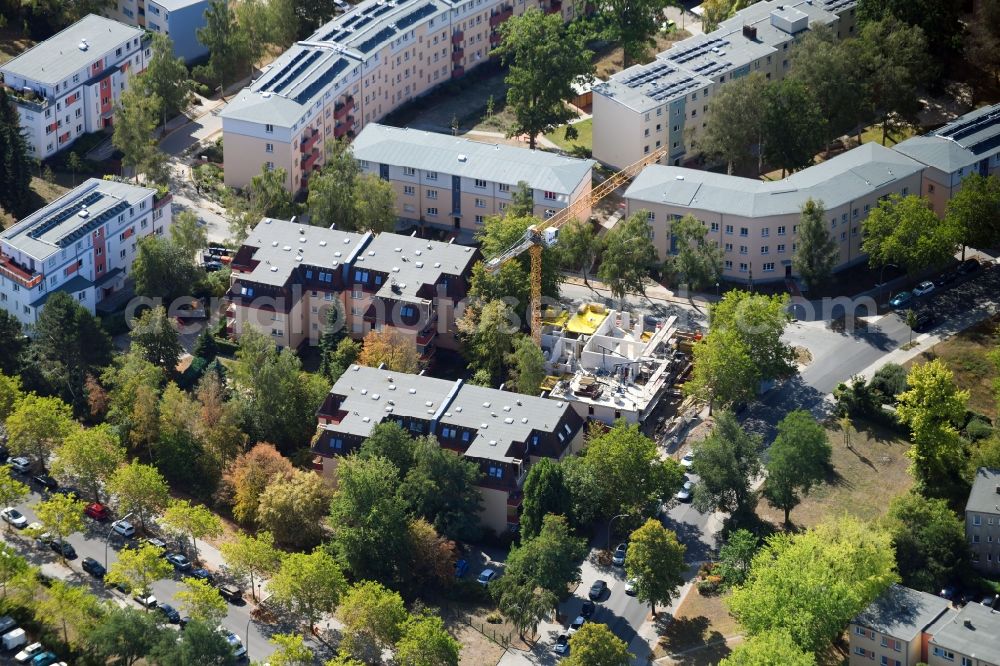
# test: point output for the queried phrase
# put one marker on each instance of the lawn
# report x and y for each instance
(863, 480)
(13, 43)
(874, 133)
(609, 61)
(965, 354)
(697, 635)
(581, 145)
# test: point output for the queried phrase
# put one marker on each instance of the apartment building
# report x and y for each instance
(982, 521)
(68, 85)
(457, 183)
(970, 637)
(666, 103)
(504, 433)
(895, 628)
(287, 277)
(353, 71)
(83, 243)
(756, 222)
(969, 144)
(177, 19)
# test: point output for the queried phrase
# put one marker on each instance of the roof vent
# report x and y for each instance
(969, 625)
(463, 158)
(302, 239)
(750, 32)
(395, 269)
(371, 253)
(84, 214)
(416, 252)
(559, 404)
(413, 391)
(322, 243)
(388, 408)
(367, 419)
(83, 46)
(484, 426)
(337, 253)
(524, 419)
(392, 387)
(998, 490)
(429, 403)
(287, 248)
(506, 408)
(347, 241)
(265, 94)
(508, 420)
(364, 391)
(420, 264)
(274, 269)
(493, 442)
(679, 177)
(397, 249)
(458, 409)
(486, 405)
(375, 396)
(437, 264)
(274, 243)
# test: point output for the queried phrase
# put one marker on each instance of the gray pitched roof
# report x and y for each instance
(985, 494)
(59, 56)
(961, 143)
(902, 612)
(974, 631)
(413, 262)
(846, 177)
(49, 229)
(283, 246)
(499, 163)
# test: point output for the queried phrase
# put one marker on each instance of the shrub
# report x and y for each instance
(494, 618)
(978, 428)
(889, 382)
(709, 586)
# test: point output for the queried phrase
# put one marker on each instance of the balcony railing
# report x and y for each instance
(457, 55)
(341, 110)
(457, 72)
(32, 101)
(310, 160)
(308, 143)
(457, 37)
(11, 270)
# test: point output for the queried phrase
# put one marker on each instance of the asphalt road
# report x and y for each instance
(91, 543)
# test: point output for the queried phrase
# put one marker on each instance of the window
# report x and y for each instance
(860, 631)
(480, 203)
(408, 190)
(550, 196)
(270, 166)
(715, 226)
(729, 229)
(432, 211)
(765, 232)
(966, 661)
(781, 248)
(930, 189)
(729, 265)
(504, 187)
(480, 219)
(860, 650)
(729, 247)
(975, 538)
(431, 175)
(432, 194)
(744, 231)
(743, 249)
(268, 147)
(977, 520)
(743, 268)
(269, 128)
(944, 654)
(650, 216)
(409, 171)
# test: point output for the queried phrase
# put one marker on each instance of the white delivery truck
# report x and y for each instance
(14, 639)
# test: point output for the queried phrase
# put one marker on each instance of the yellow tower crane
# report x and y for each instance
(546, 233)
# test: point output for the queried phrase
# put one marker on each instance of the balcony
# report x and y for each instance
(427, 336)
(457, 55)
(340, 130)
(343, 108)
(554, 6)
(161, 201)
(310, 160)
(495, 39)
(29, 100)
(457, 37)
(501, 16)
(308, 143)
(10, 269)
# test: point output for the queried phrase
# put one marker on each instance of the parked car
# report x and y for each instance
(576, 624)
(923, 288)
(7, 623)
(234, 642)
(145, 599)
(25, 655)
(180, 562)
(159, 544)
(45, 481)
(587, 610)
(21, 465)
(947, 278)
(14, 638)
(44, 659)
(901, 299)
(486, 576)
(93, 567)
(64, 548)
(562, 645)
(124, 528)
(597, 590)
(231, 593)
(69, 491)
(968, 267)
(461, 568)
(203, 574)
(630, 587)
(618, 559)
(170, 613)
(97, 512)
(688, 460)
(684, 494)
(212, 266)
(14, 517)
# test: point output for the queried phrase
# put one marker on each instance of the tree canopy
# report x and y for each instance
(817, 252)
(727, 462)
(798, 459)
(628, 256)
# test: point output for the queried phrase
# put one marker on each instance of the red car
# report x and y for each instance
(96, 511)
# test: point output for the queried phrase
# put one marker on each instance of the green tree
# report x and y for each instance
(247, 477)
(798, 459)
(165, 78)
(390, 441)
(846, 563)
(136, 569)
(228, 45)
(15, 177)
(68, 343)
(727, 462)
(430, 557)
(982, 44)
(88, 457)
(266, 196)
(251, 557)
(252, 31)
(426, 642)
(133, 398)
(905, 231)
(975, 209)
(368, 517)
(550, 560)
(201, 602)
(736, 121)
(929, 540)
(596, 645)
(293, 509)
(60, 515)
(441, 488)
(10, 393)
(13, 345)
(308, 585)
(938, 19)
(527, 366)
(66, 606)
(545, 492)
(628, 256)
(290, 650)
(12, 568)
(633, 24)
(544, 60)
(331, 197)
(522, 602)
(760, 323)
(135, 119)
(817, 252)
(656, 562)
(138, 489)
(578, 246)
(195, 521)
(198, 645)
(75, 164)
(698, 262)
(37, 425)
(770, 647)
(736, 556)
(163, 270)
(283, 22)
(12, 491)
(187, 233)
(488, 337)
(126, 635)
(155, 336)
(373, 618)
(794, 127)
(932, 408)
(724, 373)
(374, 205)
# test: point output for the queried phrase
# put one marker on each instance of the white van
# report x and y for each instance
(14, 639)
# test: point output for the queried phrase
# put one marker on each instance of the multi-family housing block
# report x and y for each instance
(666, 102)
(287, 277)
(982, 520)
(970, 637)
(353, 71)
(456, 183)
(177, 19)
(68, 85)
(504, 433)
(83, 244)
(895, 628)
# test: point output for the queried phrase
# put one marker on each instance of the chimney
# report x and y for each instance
(969, 625)
(750, 32)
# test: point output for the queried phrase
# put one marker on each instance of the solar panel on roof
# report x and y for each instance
(298, 56)
(966, 128)
(322, 81)
(372, 42)
(65, 214)
(695, 51)
(295, 73)
(415, 16)
(351, 20)
(363, 22)
(380, 10)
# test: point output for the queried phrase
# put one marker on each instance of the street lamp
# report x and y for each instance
(108, 539)
(249, 620)
(610, 523)
(716, 291)
(881, 283)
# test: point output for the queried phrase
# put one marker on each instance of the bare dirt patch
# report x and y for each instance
(483, 643)
(699, 632)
